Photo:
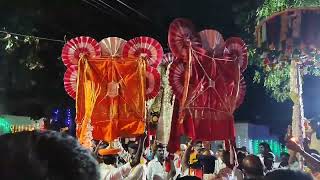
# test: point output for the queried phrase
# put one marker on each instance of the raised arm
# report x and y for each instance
(186, 157)
(313, 163)
(136, 159)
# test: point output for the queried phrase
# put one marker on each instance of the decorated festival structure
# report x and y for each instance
(289, 41)
(207, 81)
(123, 88)
(111, 82)
(289, 44)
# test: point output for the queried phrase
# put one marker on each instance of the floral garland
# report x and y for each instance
(161, 108)
(163, 132)
(273, 69)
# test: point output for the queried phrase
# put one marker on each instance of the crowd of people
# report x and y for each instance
(50, 155)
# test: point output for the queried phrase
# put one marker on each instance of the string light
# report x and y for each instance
(5, 125)
(24, 35)
(68, 118)
(55, 115)
(276, 146)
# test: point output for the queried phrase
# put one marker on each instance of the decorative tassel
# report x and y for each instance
(91, 93)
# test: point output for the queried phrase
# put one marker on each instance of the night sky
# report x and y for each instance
(57, 18)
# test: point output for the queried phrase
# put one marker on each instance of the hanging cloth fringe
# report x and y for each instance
(91, 92)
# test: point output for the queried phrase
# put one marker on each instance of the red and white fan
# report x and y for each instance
(236, 49)
(70, 81)
(182, 37)
(145, 47)
(153, 82)
(112, 46)
(168, 58)
(76, 47)
(242, 92)
(212, 41)
(176, 78)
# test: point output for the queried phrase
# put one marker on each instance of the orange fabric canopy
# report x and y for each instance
(111, 97)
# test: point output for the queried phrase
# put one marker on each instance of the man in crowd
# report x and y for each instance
(178, 160)
(284, 156)
(219, 164)
(312, 161)
(201, 162)
(139, 172)
(252, 168)
(155, 168)
(109, 169)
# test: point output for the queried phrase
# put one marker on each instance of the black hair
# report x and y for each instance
(254, 168)
(284, 154)
(198, 142)
(158, 146)
(221, 150)
(45, 156)
(240, 157)
(133, 145)
(109, 159)
(188, 178)
(282, 174)
(226, 159)
(266, 147)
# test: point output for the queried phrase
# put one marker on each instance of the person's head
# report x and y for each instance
(314, 123)
(243, 149)
(252, 166)
(198, 147)
(132, 148)
(110, 159)
(160, 152)
(226, 158)
(182, 149)
(282, 174)
(264, 148)
(219, 153)
(45, 155)
(284, 156)
(240, 156)
(306, 143)
(315, 126)
(207, 145)
(109, 155)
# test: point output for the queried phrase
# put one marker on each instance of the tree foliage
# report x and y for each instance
(276, 78)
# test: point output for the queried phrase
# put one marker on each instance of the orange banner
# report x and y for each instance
(111, 97)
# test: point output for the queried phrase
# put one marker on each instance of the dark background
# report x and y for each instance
(70, 18)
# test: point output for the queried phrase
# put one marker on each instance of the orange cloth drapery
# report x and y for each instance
(115, 103)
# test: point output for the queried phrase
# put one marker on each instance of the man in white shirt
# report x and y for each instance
(219, 164)
(155, 169)
(109, 169)
(139, 172)
(178, 161)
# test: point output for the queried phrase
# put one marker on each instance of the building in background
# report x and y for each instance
(12, 124)
(251, 135)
